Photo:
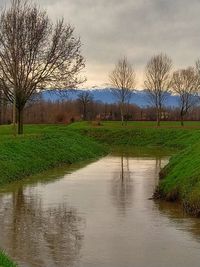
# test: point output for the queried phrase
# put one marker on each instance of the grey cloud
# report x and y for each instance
(135, 28)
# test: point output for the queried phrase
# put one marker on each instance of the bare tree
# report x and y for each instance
(157, 81)
(85, 98)
(35, 54)
(123, 81)
(185, 83)
(3, 107)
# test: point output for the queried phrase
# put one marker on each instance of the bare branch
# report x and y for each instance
(35, 54)
(185, 83)
(157, 82)
(123, 81)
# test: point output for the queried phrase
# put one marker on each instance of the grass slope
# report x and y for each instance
(42, 147)
(5, 261)
(47, 147)
(135, 135)
(180, 179)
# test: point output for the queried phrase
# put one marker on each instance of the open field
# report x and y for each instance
(44, 128)
(113, 133)
(164, 124)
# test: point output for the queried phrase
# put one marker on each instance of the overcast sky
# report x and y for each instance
(110, 29)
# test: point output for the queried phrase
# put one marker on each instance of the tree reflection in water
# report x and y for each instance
(38, 236)
(122, 186)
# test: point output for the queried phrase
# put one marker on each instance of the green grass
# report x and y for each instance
(181, 179)
(5, 261)
(164, 124)
(113, 133)
(41, 148)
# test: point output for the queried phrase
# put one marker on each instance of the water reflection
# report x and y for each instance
(178, 218)
(97, 216)
(41, 236)
(122, 185)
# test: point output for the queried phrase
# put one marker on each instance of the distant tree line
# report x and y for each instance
(69, 111)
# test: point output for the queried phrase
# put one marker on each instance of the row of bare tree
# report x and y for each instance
(159, 80)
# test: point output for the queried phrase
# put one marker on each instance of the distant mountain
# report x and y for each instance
(105, 95)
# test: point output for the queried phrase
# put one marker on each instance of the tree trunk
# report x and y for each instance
(20, 121)
(4, 110)
(122, 114)
(126, 120)
(84, 112)
(158, 117)
(14, 117)
(127, 114)
(182, 119)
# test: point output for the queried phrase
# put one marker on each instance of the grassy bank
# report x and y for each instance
(181, 177)
(141, 134)
(44, 148)
(5, 261)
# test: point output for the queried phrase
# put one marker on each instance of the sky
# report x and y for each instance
(137, 29)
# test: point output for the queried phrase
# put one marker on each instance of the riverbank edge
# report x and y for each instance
(51, 146)
(21, 157)
(180, 178)
(5, 261)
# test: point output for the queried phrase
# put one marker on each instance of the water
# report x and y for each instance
(98, 215)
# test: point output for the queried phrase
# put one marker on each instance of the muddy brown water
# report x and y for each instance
(98, 215)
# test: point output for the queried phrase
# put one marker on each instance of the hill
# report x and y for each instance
(139, 98)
